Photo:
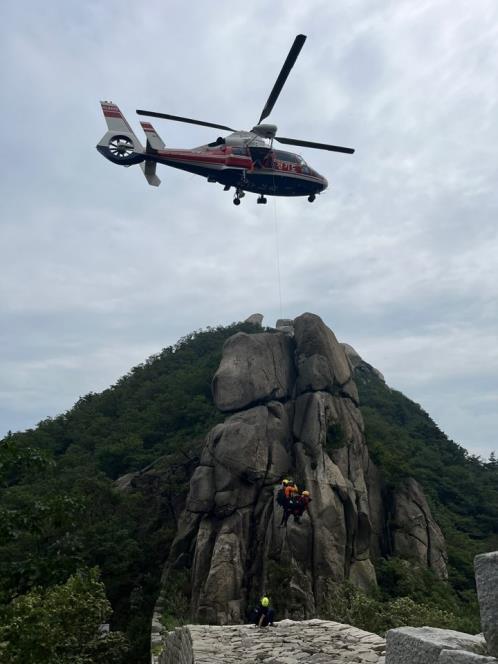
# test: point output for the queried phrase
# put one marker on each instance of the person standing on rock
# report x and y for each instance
(263, 616)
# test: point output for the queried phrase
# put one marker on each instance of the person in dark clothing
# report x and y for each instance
(263, 615)
(300, 505)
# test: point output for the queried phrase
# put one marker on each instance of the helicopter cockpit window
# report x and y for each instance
(289, 157)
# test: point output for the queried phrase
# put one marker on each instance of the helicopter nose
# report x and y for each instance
(325, 183)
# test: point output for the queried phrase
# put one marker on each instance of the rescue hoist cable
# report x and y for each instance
(278, 252)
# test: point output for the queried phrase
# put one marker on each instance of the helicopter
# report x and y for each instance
(243, 160)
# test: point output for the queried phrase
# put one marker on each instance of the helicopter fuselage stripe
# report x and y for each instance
(223, 166)
(263, 181)
(220, 163)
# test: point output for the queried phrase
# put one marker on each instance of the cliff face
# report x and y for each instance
(292, 410)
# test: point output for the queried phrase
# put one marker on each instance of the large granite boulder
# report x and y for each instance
(486, 568)
(356, 361)
(415, 534)
(321, 360)
(254, 368)
(296, 414)
(255, 319)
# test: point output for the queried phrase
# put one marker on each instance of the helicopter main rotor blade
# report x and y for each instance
(178, 118)
(282, 77)
(311, 144)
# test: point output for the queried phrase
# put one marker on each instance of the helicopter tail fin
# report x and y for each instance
(154, 143)
(149, 170)
(116, 121)
(153, 138)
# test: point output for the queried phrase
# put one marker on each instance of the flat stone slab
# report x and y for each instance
(288, 642)
(464, 657)
(423, 645)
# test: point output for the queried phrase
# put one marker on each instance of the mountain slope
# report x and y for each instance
(462, 489)
(155, 418)
(65, 512)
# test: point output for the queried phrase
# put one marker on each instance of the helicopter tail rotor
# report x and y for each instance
(119, 144)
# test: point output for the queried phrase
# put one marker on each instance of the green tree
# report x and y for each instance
(60, 625)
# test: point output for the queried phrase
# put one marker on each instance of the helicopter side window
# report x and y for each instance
(291, 158)
(242, 151)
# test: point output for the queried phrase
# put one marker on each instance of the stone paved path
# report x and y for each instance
(289, 642)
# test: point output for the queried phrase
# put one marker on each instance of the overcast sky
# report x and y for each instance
(399, 256)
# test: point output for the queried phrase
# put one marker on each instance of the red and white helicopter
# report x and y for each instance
(244, 160)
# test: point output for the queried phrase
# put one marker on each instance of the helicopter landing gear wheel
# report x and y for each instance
(238, 195)
(311, 198)
(262, 200)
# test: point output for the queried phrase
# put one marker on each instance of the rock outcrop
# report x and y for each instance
(293, 411)
(255, 319)
(486, 567)
(254, 368)
(414, 531)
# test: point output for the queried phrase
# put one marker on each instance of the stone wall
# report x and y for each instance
(176, 648)
(288, 642)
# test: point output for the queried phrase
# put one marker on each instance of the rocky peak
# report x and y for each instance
(255, 319)
(357, 361)
(294, 411)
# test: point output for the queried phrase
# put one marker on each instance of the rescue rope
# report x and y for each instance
(278, 253)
